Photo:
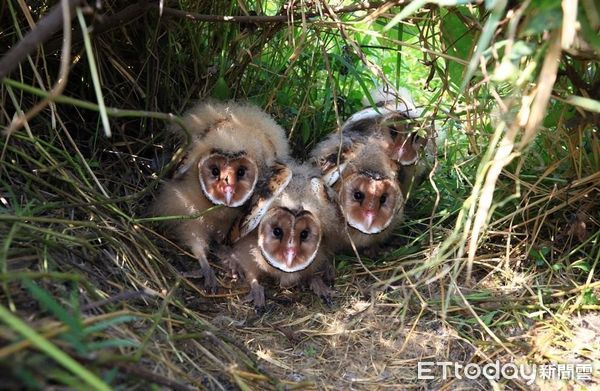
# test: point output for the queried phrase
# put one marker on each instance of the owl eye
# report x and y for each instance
(277, 232)
(215, 171)
(241, 172)
(383, 199)
(304, 235)
(359, 195)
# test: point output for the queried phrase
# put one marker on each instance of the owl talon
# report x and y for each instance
(210, 280)
(256, 296)
(320, 289)
(373, 252)
(236, 272)
(260, 309)
(329, 275)
(328, 301)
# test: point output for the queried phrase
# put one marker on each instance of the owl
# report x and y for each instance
(369, 164)
(235, 149)
(290, 240)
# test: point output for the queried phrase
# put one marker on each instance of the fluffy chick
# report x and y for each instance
(234, 146)
(292, 241)
(368, 193)
(367, 166)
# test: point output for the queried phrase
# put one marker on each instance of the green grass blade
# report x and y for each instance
(100, 326)
(94, 73)
(51, 350)
(75, 333)
(52, 305)
(585, 103)
(112, 343)
(407, 11)
(484, 41)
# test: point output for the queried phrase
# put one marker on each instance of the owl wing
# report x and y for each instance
(332, 161)
(265, 193)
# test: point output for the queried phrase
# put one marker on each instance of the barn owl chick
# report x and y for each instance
(234, 147)
(364, 164)
(291, 242)
(368, 193)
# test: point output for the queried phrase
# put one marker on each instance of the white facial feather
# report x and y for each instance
(364, 229)
(240, 202)
(283, 267)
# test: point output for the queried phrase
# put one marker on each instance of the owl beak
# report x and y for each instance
(228, 191)
(290, 254)
(228, 185)
(369, 216)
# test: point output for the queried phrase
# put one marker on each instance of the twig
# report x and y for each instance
(291, 18)
(104, 23)
(122, 296)
(140, 372)
(143, 373)
(376, 70)
(131, 13)
(63, 74)
(42, 31)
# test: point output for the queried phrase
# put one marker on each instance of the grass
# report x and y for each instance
(497, 258)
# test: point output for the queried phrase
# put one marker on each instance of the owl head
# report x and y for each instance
(369, 200)
(227, 178)
(289, 239)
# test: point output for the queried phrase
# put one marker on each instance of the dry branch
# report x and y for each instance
(42, 31)
(153, 377)
(268, 19)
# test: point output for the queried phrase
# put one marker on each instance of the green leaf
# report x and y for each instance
(402, 251)
(540, 254)
(407, 11)
(51, 350)
(414, 6)
(282, 98)
(103, 325)
(310, 351)
(221, 90)
(555, 111)
(305, 131)
(94, 73)
(589, 298)
(459, 40)
(591, 36)
(355, 73)
(27, 378)
(110, 375)
(521, 49)
(581, 264)
(342, 265)
(488, 317)
(486, 36)
(48, 303)
(60, 375)
(547, 15)
(112, 343)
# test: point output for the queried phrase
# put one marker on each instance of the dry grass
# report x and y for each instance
(497, 259)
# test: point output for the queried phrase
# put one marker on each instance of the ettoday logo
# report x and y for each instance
(496, 370)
